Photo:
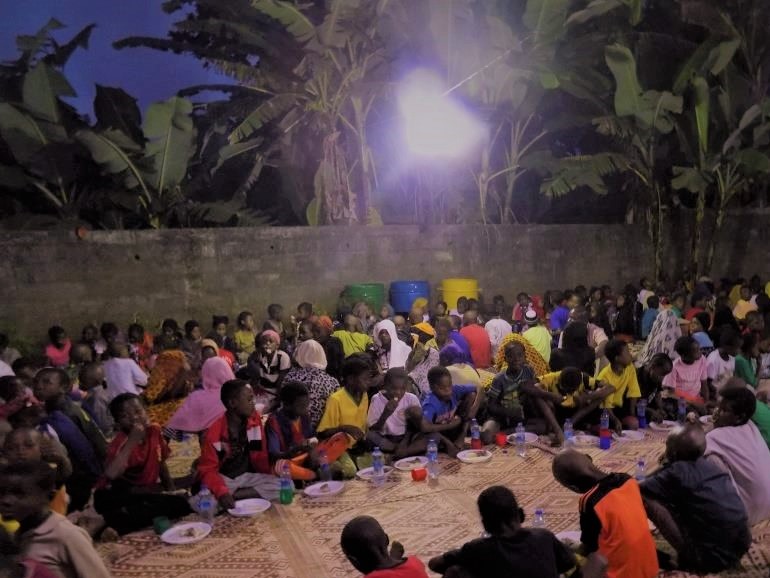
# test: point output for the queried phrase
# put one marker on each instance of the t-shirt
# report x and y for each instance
(481, 347)
(761, 419)
(395, 425)
(686, 379)
(614, 522)
(559, 318)
(625, 384)
(531, 552)
(718, 369)
(691, 313)
(123, 376)
(703, 340)
(353, 342)
(341, 409)
(742, 308)
(550, 382)
(412, 567)
(541, 340)
(244, 341)
(700, 496)
(268, 370)
(647, 321)
(438, 411)
(505, 390)
(745, 370)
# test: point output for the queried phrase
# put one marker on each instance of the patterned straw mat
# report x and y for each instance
(302, 540)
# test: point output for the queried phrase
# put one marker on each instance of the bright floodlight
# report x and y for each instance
(434, 124)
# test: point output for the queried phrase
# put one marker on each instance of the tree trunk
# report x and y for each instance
(697, 234)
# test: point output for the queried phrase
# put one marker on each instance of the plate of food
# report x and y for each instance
(248, 508)
(585, 440)
(529, 438)
(409, 464)
(367, 473)
(324, 489)
(706, 419)
(474, 456)
(187, 533)
(569, 537)
(629, 435)
(665, 425)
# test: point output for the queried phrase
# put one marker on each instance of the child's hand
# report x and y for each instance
(353, 432)
(391, 406)
(227, 501)
(136, 435)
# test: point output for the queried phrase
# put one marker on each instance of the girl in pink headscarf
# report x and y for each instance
(203, 406)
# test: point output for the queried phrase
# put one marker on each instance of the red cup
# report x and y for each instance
(501, 439)
(419, 474)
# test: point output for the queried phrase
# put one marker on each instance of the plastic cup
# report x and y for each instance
(419, 474)
(501, 439)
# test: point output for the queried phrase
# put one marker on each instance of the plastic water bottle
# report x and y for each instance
(640, 474)
(475, 435)
(681, 410)
(539, 520)
(286, 492)
(207, 505)
(520, 451)
(378, 469)
(569, 433)
(641, 413)
(323, 466)
(432, 455)
(605, 436)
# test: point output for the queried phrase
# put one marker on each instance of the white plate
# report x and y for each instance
(324, 489)
(630, 435)
(409, 464)
(529, 438)
(584, 440)
(188, 533)
(569, 536)
(366, 473)
(248, 508)
(665, 425)
(706, 419)
(474, 456)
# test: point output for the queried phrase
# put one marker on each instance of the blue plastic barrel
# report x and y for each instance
(404, 293)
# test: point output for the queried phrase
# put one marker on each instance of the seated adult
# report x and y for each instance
(688, 498)
(168, 385)
(352, 337)
(421, 360)
(459, 339)
(335, 353)
(538, 335)
(736, 445)
(478, 340)
(574, 350)
(596, 335)
(310, 358)
(392, 352)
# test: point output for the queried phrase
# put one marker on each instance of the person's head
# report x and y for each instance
(470, 317)
(571, 299)
(617, 353)
(531, 318)
(90, 333)
(169, 328)
(575, 336)
(305, 331)
(246, 321)
(295, 399)
(515, 356)
(23, 444)
(268, 342)
(192, 330)
(575, 471)
(440, 382)
(275, 312)
(596, 294)
(730, 341)
(653, 302)
(522, 299)
(750, 346)
(365, 544)
(209, 349)
(440, 309)
(687, 349)
(57, 336)
(26, 368)
(28, 416)
(698, 300)
(26, 488)
(685, 444)
(135, 333)
(323, 327)
(736, 406)
(700, 322)
(119, 350)
(745, 292)
(237, 397)
(383, 337)
(763, 303)
(109, 331)
(462, 305)
(415, 315)
(452, 354)
(659, 366)
(473, 304)
(11, 387)
(304, 310)
(499, 510)
(128, 410)
(570, 380)
(394, 383)
(755, 322)
(443, 329)
(351, 323)
(386, 311)
(645, 283)
(356, 372)
(51, 384)
(579, 313)
(81, 353)
(399, 321)
(91, 375)
(456, 321)
(678, 300)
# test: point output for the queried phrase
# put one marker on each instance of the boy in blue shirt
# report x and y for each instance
(650, 314)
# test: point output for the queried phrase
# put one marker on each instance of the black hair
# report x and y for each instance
(55, 331)
(64, 378)
(356, 364)
(661, 360)
(614, 349)
(683, 345)
(108, 329)
(742, 402)
(512, 344)
(190, 325)
(729, 337)
(169, 324)
(3, 340)
(274, 308)
(567, 295)
(570, 380)
(393, 374)
(305, 306)
(463, 298)
(23, 363)
(117, 403)
(218, 320)
(653, 302)
(704, 319)
(443, 304)
(135, 327)
(291, 391)
(697, 296)
(575, 336)
(498, 507)
(8, 387)
(231, 389)
(580, 289)
(436, 374)
(522, 294)
(86, 369)
(242, 317)
(35, 472)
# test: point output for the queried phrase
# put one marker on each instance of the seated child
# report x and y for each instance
(720, 363)
(689, 376)
(129, 494)
(389, 425)
(698, 329)
(653, 303)
(612, 517)
(688, 498)
(96, 402)
(27, 444)
(140, 345)
(621, 375)
(14, 395)
(14, 566)
(234, 461)
(268, 365)
(650, 377)
(347, 410)
(57, 351)
(504, 403)
(365, 545)
(244, 337)
(449, 409)
(122, 374)
(290, 435)
(746, 364)
(26, 489)
(510, 549)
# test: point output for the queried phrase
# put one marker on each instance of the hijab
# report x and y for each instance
(399, 351)
(663, 335)
(310, 353)
(202, 407)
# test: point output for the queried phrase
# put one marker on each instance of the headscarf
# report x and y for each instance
(452, 354)
(399, 351)
(663, 335)
(420, 372)
(326, 322)
(420, 302)
(310, 353)
(210, 343)
(169, 369)
(270, 333)
(202, 407)
(425, 328)
(533, 358)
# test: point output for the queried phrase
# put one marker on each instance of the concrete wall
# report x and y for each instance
(53, 277)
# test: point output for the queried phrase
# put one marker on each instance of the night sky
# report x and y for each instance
(146, 74)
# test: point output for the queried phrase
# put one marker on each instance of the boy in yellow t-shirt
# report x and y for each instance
(621, 375)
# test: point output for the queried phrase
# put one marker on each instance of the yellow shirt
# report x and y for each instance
(550, 381)
(464, 374)
(541, 339)
(341, 409)
(353, 342)
(742, 308)
(244, 341)
(625, 384)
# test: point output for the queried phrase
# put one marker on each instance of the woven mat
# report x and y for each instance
(302, 540)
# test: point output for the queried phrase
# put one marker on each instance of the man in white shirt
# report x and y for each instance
(122, 373)
(721, 361)
(389, 417)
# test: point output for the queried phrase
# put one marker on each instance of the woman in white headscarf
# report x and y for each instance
(310, 370)
(392, 351)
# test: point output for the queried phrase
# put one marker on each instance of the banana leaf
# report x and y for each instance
(170, 133)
